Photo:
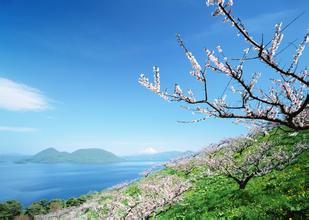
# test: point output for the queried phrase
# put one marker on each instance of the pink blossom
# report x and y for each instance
(195, 65)
(277, 38)
(178, 90)
(300, 49)
(216, 61)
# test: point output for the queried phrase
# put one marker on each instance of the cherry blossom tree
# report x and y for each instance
(241, 160)
(148, 197)
(284, 102)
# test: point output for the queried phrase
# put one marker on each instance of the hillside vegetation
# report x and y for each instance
(188, 189)
(277, 195)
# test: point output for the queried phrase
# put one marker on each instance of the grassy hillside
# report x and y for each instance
(277, 195)
(280, 194)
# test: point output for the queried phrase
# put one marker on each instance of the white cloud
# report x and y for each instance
(149, 150)
(19, 97)
(16, 129)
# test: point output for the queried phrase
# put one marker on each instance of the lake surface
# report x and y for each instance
(32, 182)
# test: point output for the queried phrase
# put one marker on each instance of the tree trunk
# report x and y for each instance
(242, 183)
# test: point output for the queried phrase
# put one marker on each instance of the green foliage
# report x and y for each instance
(286, 138)
(38, 208)
(171, 171)
(133, 190)
(91, 214)
(88, 196)
(105, 199)
(277, 195)
(74, 202)
(10, 209)
(56, 205)
(44, 206)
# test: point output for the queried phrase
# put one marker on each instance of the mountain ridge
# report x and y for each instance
(81, 156)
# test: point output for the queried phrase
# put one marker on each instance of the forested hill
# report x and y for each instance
(84, 156)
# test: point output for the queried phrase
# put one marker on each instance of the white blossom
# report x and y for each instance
(246, 51)
(216, 61)
(283, 101)
(195, 65)
(277, 38)
(300, 49)
(144, 81)
(178, 90)
(219, 49)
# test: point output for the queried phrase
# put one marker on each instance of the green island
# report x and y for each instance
(82, 156)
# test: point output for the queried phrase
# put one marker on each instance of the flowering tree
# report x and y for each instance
(240, 160)
(139, 200)
(285, 102)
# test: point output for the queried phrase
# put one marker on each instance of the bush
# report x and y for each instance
(38, 208)
(56, 205)
(74, 202)
(10, 209)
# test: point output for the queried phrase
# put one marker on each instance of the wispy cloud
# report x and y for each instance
(261, 23)
(19, 97)
(16, 129)
(267, 20)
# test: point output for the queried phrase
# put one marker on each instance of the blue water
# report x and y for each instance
(32, 182)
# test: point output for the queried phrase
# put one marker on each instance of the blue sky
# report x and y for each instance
(79, 62)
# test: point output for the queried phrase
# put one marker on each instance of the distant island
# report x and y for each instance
(82, 156)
